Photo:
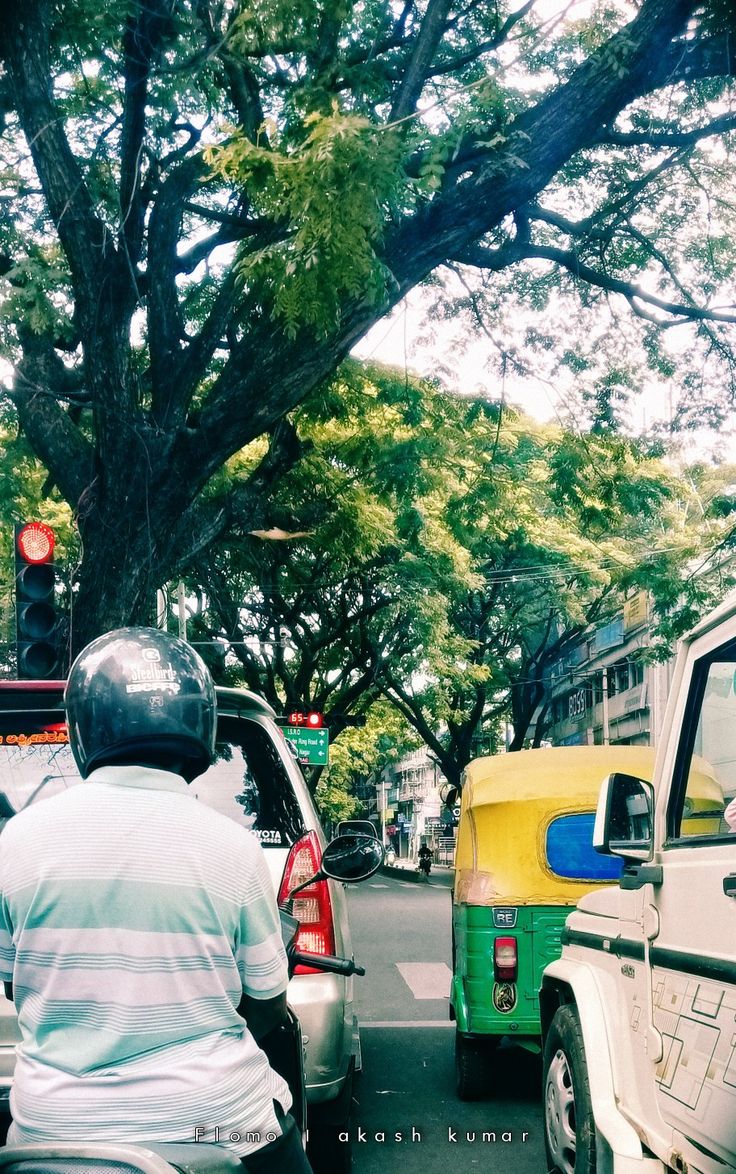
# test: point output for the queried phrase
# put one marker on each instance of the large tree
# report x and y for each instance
(207, 204)
(455, 550)
(313, 614)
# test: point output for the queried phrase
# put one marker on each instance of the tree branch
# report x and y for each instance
(165, 328)
(141, 46)
(40, 381)
(488, 46)
(693, 60)
(495, 259)
(244, 95)
(538, 143)
(665, 140)
(196, 356)
(417, 68)
(243, 507)
(412, 711)
(24, 44)
(237, 410)
(234, 228)
(610, 214)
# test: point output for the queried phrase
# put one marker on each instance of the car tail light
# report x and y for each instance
(505, 960)
(311, 906)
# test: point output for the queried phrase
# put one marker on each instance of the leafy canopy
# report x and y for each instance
(209, 203)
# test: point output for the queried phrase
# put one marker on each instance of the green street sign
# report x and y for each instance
(310, 746)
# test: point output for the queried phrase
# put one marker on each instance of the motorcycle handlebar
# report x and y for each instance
(327, 962)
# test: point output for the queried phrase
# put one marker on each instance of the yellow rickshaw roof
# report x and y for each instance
(567, 773)
(510, 800)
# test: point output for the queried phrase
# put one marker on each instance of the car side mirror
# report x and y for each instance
(624, 824)
(347, 858)
(352, 857)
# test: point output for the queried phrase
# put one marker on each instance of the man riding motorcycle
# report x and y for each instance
(139, 934)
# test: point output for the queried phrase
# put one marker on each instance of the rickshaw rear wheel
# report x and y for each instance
(474, 1066)
(569, 1128)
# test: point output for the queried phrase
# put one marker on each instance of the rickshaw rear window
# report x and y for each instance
(570, 851)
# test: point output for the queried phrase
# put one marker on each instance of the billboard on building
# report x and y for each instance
(636, 611)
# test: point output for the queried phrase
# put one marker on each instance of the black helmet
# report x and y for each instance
(139, 695)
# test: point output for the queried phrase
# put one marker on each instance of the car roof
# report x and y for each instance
(228, 700)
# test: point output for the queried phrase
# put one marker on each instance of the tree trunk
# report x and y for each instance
(525, 698)
(126, 533)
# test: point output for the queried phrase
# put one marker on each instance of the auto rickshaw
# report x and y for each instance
(524, 858)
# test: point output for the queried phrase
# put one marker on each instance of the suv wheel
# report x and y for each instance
(474, 1066)
(569, 1129)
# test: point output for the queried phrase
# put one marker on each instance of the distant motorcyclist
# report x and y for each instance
(425, 859)
(139, 929)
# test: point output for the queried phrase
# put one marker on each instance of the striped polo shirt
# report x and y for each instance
(132, 918)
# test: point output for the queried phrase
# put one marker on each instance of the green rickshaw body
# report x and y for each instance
(484, 1007)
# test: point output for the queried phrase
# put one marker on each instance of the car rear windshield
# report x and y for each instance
(248, 781)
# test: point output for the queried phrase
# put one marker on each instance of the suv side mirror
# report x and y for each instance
(623, 818)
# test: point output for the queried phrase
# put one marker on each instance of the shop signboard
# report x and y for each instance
(636, 611)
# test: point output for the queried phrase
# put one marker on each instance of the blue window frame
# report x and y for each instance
(570, 851)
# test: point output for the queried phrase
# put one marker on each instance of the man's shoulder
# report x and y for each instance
(47, 809)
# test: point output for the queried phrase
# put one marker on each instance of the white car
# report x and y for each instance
(639, 1012)
(257, 782)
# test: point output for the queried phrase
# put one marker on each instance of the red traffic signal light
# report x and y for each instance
(36, 543)
(314, 721)
(35, 603)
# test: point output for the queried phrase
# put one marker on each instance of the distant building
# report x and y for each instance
(603, 691)
(407, 806)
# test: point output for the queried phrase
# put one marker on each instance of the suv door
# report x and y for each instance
(692, 921)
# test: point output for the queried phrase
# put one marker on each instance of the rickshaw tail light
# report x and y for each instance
(505, 960)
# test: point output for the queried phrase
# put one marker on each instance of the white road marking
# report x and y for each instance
(426, 980)
(378, 886)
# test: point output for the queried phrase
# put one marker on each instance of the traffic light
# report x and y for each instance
(311, 720)
(35, 602)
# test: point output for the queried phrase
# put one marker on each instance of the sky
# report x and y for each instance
(402, 340)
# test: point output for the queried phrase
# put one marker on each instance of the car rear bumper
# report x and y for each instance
(323, 1003)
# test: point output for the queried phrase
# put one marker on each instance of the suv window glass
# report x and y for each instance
(35, 760)
(248, 782)
(710, 759)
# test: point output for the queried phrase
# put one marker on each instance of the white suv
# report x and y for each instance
(257, 782)
(639, 1012)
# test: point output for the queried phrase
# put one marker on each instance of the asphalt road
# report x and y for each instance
(406, 1109)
